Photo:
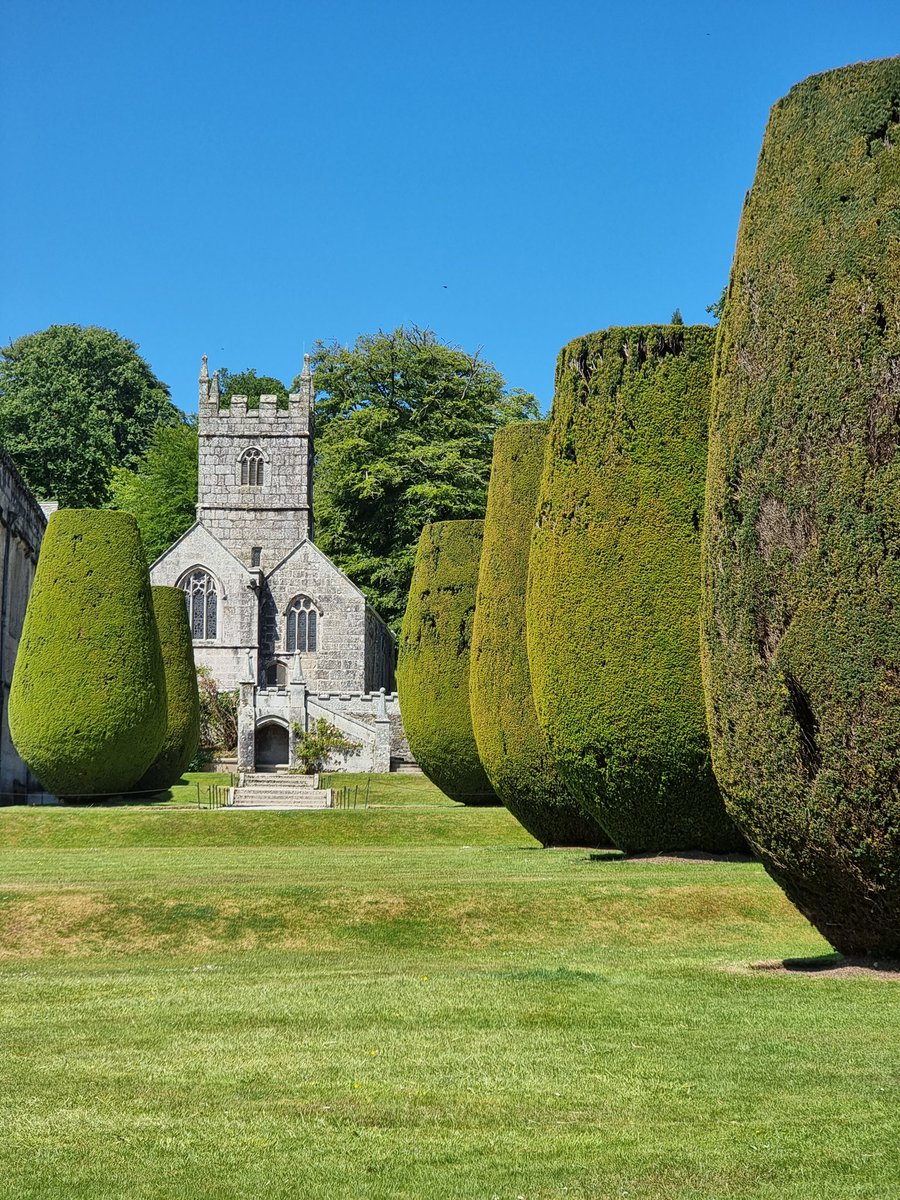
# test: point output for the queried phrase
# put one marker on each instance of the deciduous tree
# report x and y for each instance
(75, 403)
(161, 490)
(404, 430)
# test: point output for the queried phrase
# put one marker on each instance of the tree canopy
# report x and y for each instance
(248, 383)
(404, 431)
(75, 403)
(161, 489)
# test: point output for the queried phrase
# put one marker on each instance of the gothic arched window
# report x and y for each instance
(202, 599)
(252, 467)
(301, 626)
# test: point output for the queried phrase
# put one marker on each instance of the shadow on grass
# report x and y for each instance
(120, 799)
(670, 856)
(832, 964)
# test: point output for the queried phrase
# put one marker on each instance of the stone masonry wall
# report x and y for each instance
(22, 525)
(226, 655)
(363, 707)
(339, 663)
(272, 516)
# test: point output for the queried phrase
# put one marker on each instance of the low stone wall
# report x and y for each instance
(370, 719)
(362, 705)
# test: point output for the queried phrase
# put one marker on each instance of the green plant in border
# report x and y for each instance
(313, 747)
(802, 544)
(614, 587)
(218, 716)
(182, 738)
(87, 708)
(433, 665)
(511, 746)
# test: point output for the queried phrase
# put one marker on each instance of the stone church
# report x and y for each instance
(272, 617)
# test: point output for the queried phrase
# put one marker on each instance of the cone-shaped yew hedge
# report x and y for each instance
(182, 695)
(87, 709)
(510, 743)
(614, 587)
(433, 664)
(801, 615)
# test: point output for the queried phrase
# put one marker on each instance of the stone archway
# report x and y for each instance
(272, 745)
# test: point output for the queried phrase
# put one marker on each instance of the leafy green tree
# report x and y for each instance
(676, 318)
(76, 402)
(718, 306)
(404, 431)
(161, 490)
(248, 383)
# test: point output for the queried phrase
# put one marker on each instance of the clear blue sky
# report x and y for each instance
(243, 178)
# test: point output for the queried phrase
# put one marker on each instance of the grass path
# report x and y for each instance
(413, 1003)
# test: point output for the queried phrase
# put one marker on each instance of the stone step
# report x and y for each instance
(273, 806)
(279, 792)
(259, 785)
(401, 766)
(267, 798)
(303, 783)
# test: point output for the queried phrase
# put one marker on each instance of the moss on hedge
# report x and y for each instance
(182, 696)
(802, 544)
(433, 665)
(614, 586)
(87, 708)
(510, 744)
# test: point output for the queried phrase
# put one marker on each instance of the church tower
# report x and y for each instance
(255, 476)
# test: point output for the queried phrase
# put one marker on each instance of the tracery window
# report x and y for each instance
(252, 466)
(202, 601)
(301, 626)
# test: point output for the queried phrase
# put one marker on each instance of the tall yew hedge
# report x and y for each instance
(510, 743)
(614, 586)
(182, 694)
(433, 665)
(87, 708)
(801, 614)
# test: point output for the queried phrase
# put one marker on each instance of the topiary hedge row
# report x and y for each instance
(433, 665)
(614, 587)
(802, 545)
(182, 696)
(510, 743)
(87, 707)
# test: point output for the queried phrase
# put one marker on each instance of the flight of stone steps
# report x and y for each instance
(279, 790)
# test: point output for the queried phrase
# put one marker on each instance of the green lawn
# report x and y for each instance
(414, 1000)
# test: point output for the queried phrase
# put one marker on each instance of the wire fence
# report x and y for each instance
(351, 797)
(216, 795)
(208, 795)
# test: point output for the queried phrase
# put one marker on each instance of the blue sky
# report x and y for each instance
(242, 179)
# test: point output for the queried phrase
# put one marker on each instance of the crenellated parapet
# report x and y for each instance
(268, 416)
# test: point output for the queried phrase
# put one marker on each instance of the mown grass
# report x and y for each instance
(410, 1003)
(389, 790)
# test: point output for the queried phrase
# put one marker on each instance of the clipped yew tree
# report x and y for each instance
(510, 743)
(87, 707)
(614, 587)
(182, 696)
(801, 613)
(433, 662)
